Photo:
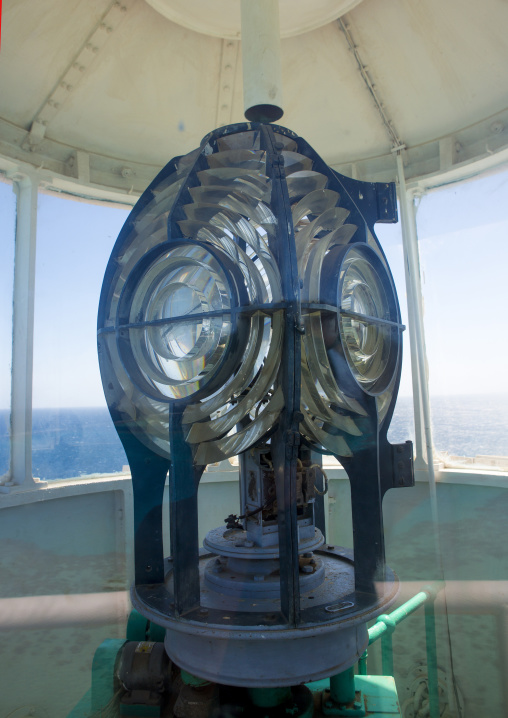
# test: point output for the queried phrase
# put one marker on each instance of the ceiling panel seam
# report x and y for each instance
(76, 70)
(388, 123)
(227, 75)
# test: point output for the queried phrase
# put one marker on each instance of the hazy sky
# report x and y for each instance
(463, 234)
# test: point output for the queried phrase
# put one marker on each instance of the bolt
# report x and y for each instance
(307, 569)
(307, 554)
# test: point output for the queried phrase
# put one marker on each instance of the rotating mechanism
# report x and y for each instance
(248, 309)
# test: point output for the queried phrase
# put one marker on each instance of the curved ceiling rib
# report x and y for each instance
(353, 46)
(96, 109)
(76, 70)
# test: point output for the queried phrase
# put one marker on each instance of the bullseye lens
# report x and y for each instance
(181, 309)
(367, 319)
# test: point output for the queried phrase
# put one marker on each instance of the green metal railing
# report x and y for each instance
(386, 625)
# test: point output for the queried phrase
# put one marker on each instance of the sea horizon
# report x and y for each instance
(79, 441)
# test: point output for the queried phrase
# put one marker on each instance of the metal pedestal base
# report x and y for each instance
(244, 641)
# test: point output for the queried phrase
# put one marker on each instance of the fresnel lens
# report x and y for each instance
(248, 310)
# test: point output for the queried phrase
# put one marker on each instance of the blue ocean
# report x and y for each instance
(77, 442)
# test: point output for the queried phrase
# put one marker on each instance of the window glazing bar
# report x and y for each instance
(22, 334)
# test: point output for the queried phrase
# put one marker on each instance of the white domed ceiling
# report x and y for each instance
(105, 93)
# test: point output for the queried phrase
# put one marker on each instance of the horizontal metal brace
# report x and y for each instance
(267, 309)
(367, 319)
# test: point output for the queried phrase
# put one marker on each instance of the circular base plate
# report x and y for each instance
(245, 641)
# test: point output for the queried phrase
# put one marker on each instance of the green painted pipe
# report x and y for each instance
(388, 622)
(342, 687)
(385, 626)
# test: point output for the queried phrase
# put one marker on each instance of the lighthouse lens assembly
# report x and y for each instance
(179, 321)
(368, 322)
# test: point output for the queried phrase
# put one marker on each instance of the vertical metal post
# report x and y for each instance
(387, 654)
(342, 687)
(23, 332)
(362, 664)
(430, 640)
(262, 74)
(417, 335)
